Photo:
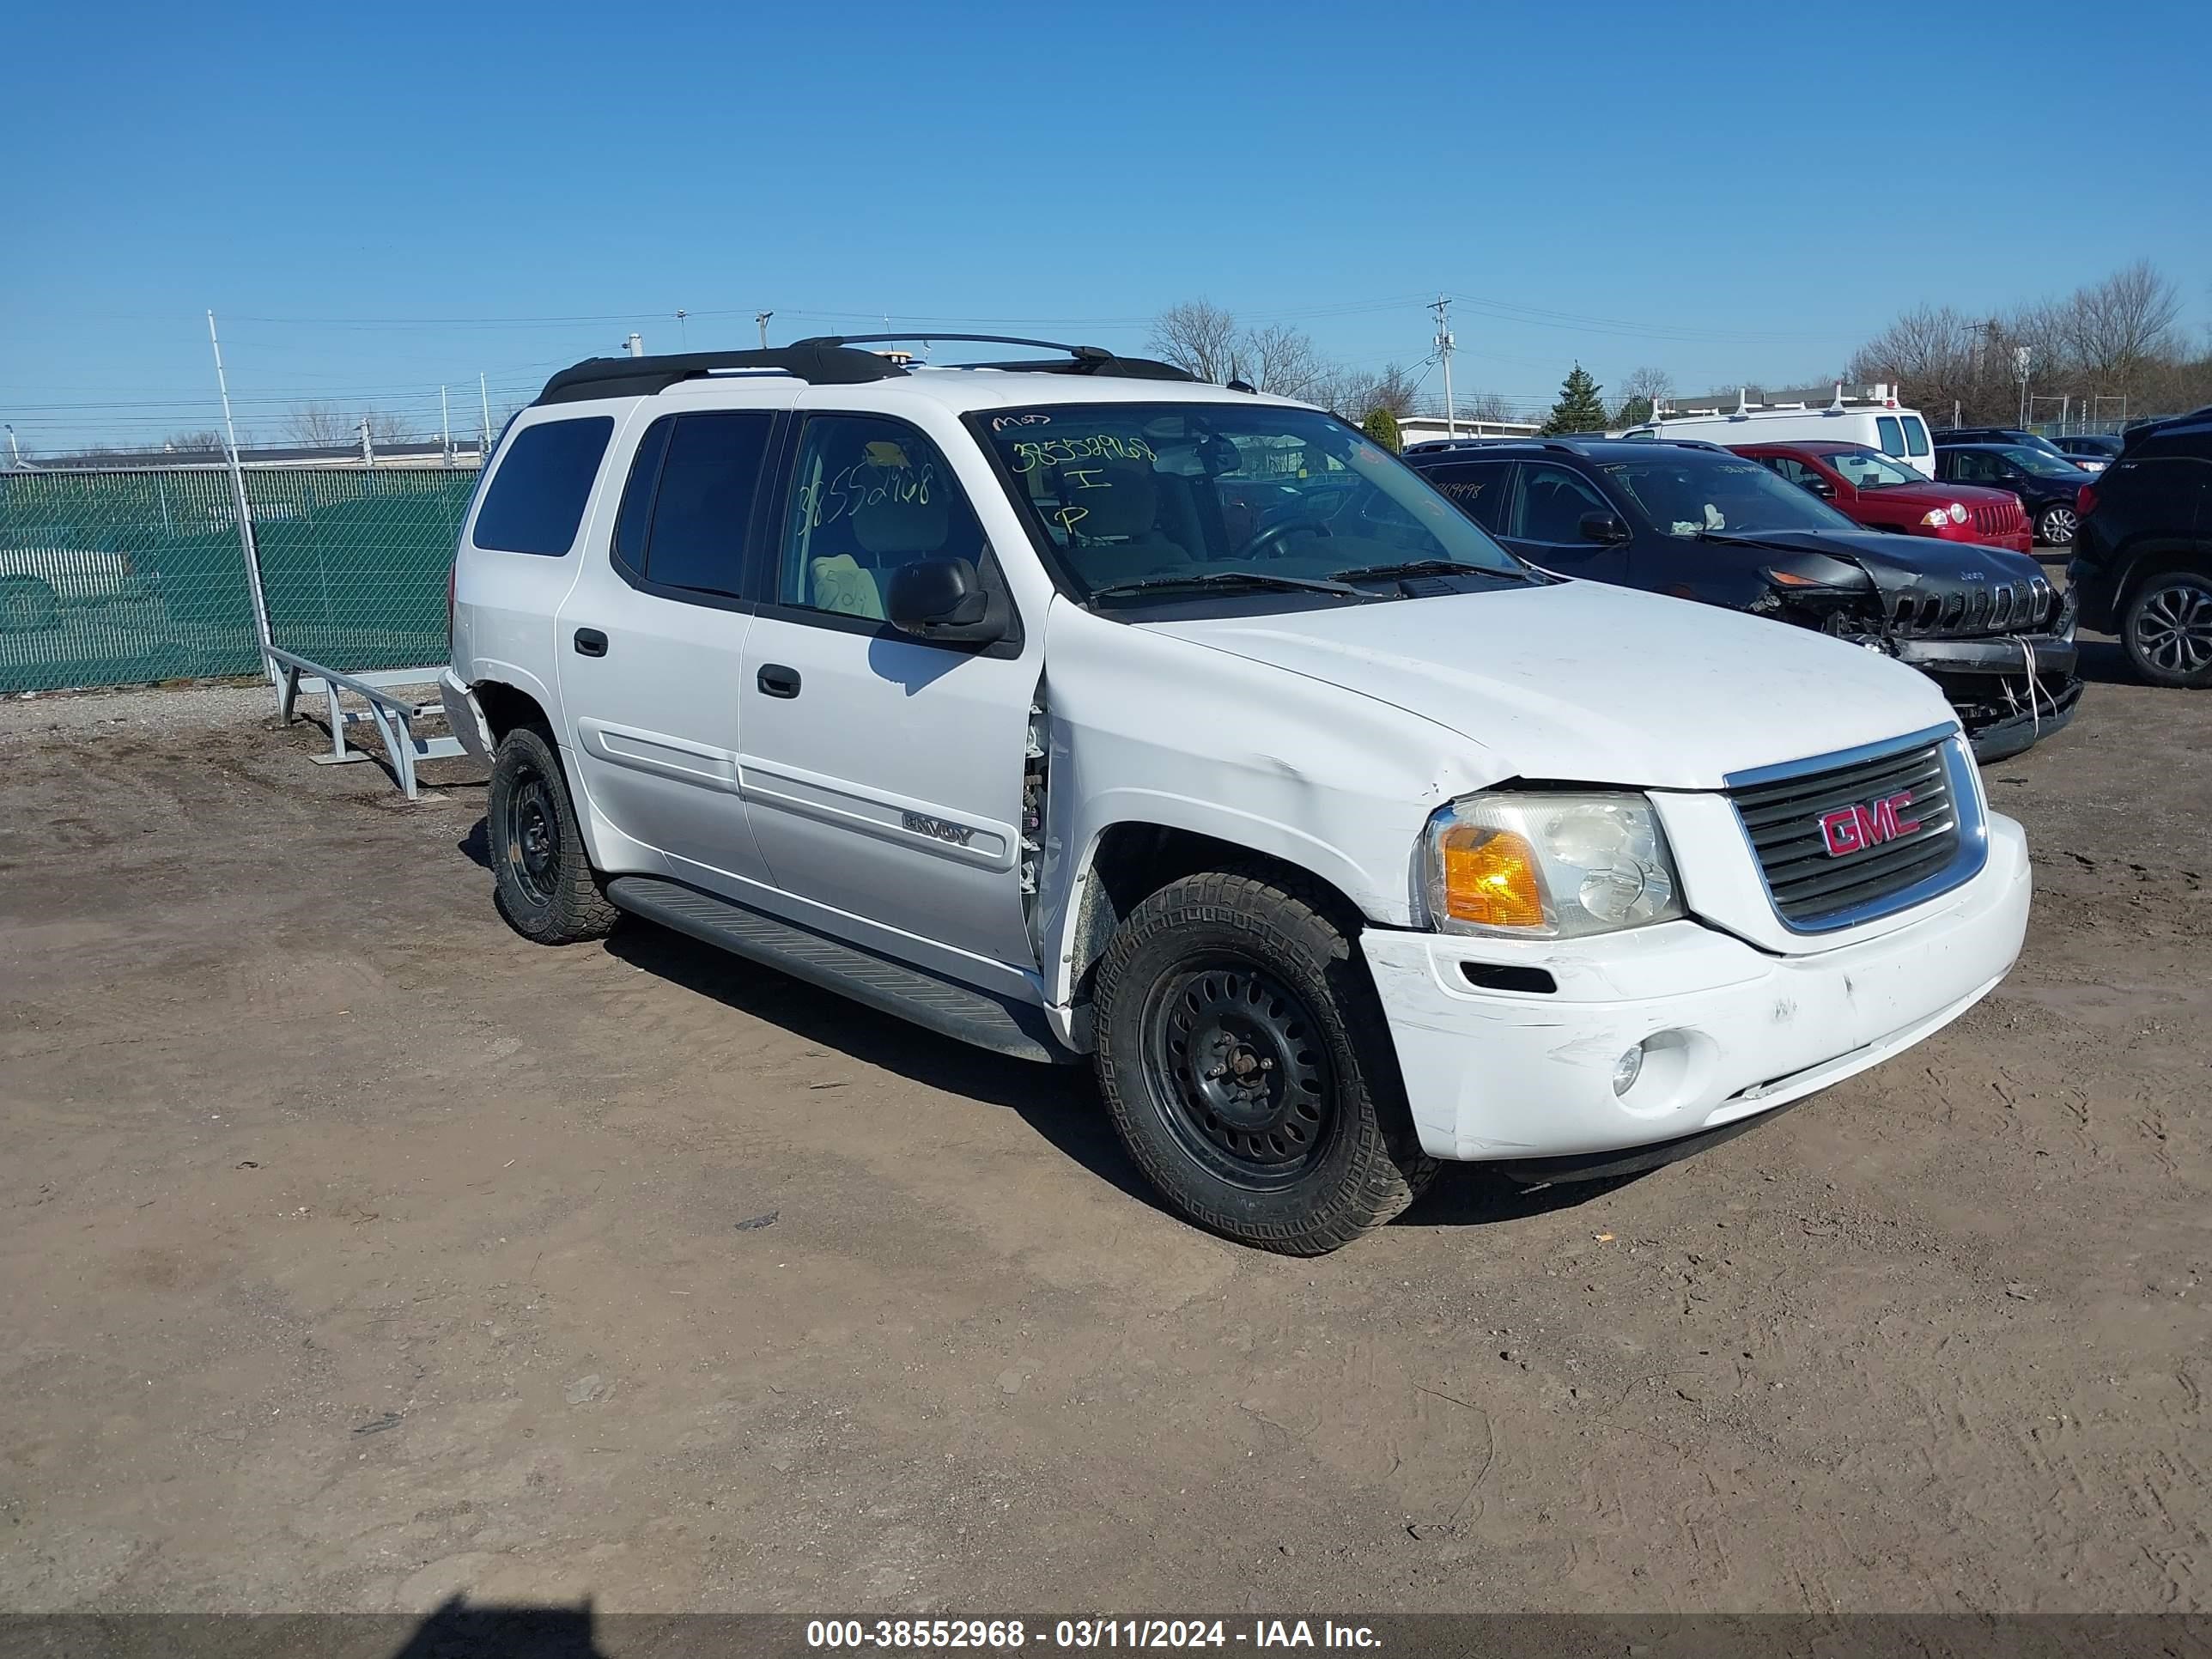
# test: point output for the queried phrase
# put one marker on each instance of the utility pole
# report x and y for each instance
(760, 317)
(484, 393)
(445, 430)
(1443, 308)
(683, 328)
(14, 455)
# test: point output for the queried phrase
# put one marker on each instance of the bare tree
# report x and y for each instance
(205, 441)
(321, 426)
(1642, 391)
(1487, 406)
(1280, 359)
(2116, 326)
(1393, 389)
(1199, 338)
(388, 429)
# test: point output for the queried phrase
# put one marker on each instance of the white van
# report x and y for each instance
(1875, 420)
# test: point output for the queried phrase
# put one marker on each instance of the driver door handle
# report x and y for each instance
(775, 680)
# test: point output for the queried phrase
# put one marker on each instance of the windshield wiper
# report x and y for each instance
(1423, 568)
(1225, 579)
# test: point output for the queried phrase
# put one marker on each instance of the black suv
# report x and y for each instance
(2048, 485)
(2143, 559)
(1691, 519)
(2016, 437)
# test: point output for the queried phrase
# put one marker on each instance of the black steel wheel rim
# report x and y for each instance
(531, 837)
(1241, 1073)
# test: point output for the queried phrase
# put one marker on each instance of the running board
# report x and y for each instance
(943, 1005)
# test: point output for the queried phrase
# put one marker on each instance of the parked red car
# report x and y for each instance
(1869, 488)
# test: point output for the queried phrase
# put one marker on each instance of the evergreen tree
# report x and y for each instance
(1382, 426)
(1579, 408)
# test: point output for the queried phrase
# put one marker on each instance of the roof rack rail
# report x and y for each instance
(641, 377)
(1082, 359)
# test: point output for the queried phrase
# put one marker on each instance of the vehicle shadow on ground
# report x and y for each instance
(1468, 1195)
(496, 1631)
(2106, 662)
(1060, 1102)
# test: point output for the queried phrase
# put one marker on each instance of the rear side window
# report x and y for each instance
(1893, 436)
(1478, 491)
(688, 507)
(1916, 436)
(536, 496)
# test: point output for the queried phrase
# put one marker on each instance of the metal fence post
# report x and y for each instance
(244, 514)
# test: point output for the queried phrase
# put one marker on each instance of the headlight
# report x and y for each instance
(1937, 517)
(1958, 512)
(1548, 867)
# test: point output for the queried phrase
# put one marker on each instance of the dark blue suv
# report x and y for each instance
(1696, 521)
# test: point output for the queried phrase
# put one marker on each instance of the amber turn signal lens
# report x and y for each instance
(1490, 877)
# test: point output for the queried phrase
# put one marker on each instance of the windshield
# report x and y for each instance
(2043, 463)
(1687, 498)
(1169, 492)
(1869, 469)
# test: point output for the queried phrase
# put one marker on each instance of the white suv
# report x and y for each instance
(1073, 709)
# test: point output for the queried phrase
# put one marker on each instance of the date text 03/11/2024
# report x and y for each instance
(1011, 1635)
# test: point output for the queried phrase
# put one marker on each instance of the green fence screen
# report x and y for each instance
(114, 578)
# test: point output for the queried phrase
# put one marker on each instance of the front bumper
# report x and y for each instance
(1496, 1075)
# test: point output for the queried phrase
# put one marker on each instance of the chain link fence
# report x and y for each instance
(117, 578)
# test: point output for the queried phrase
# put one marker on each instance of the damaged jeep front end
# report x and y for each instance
(2001, 650)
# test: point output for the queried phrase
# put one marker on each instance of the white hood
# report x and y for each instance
(1587, 683)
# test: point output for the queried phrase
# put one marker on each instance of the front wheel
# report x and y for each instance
(542, 874)
(1245, 1064)
(2054, 526)
(2168, 628)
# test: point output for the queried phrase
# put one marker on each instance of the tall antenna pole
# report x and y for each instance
(238, 506)
(761, 317)
(1444, 342)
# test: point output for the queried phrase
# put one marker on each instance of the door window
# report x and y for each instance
(536, 500)
(1477, 490)
(1916, 434)
(1972, 466)
(1891, 434)
(1792, 469)
(1551, 505)
(689, 504)
(868, 495)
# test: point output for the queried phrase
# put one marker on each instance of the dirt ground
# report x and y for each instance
(353, 1252)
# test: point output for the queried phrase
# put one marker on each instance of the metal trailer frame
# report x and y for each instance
(394, 718)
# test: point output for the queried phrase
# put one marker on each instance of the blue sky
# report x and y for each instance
(376, 200)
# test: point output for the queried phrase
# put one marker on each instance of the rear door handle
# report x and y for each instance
(590, 642)
(777, 681)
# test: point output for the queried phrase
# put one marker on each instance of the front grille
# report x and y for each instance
(2005, 518)
(2027, 607)
(1813, 887)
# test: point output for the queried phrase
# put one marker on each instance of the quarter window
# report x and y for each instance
(1893, 435)
(868, 495)
(1916, 434)
(537, 497)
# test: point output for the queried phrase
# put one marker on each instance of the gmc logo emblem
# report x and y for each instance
(1853, 829)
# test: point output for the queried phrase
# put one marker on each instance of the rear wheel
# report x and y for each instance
(541, 873)
(1244, 1062)
(26, 605)
(2054, 526)
(2168, 628)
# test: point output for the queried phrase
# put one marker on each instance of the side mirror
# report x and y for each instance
(1821, 487)
(942, 599)
(1603, 527)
